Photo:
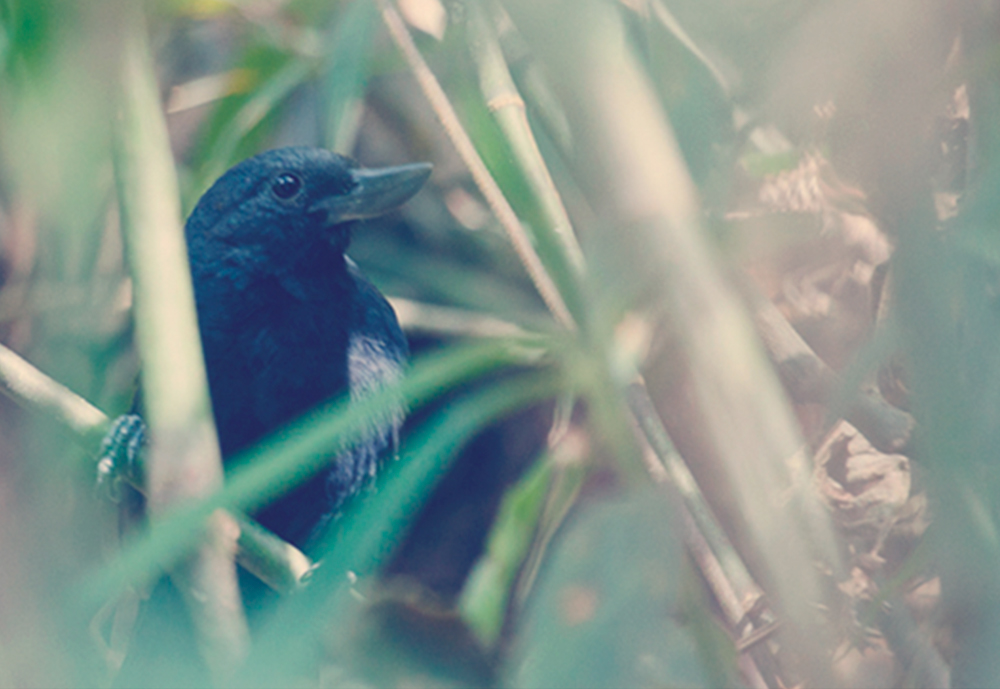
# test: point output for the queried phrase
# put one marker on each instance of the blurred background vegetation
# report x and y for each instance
(703, 304)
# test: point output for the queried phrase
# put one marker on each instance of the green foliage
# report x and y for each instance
(606, 609)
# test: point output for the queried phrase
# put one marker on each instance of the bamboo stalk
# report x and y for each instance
(638, 177)
(185, 463)
(508, 108)
(730, 581)
(467, 152)
(808, 379)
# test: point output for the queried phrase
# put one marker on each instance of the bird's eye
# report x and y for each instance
(286, 185)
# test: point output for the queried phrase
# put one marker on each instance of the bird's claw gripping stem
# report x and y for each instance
(120, 456)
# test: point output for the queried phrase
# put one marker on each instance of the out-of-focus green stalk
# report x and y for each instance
(346, 72)
(958, 455)
(176, 403)
(634, 162)
(555, 238)
(184, 462)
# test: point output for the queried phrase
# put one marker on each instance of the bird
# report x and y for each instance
(288, 321)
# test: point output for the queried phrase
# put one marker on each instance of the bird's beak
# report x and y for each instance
(376, 192)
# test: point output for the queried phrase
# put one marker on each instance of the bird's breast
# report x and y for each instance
(272, 355)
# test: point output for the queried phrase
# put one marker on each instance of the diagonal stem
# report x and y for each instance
(484, 180)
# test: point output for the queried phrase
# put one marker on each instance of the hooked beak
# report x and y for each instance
(375, 192)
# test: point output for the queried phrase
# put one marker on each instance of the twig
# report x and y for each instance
(277, 563)
(422, 317)
(716, 558)
(808, 379)
(33, 390)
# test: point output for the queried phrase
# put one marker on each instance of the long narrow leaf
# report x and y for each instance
(369, 533)
(294, 452)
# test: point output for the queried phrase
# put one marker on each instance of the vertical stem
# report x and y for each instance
(636, 168)
(184, 462)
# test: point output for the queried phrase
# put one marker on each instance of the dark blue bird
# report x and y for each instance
(287, 320)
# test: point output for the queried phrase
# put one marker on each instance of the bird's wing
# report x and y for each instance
(377, 349)
(376, 357)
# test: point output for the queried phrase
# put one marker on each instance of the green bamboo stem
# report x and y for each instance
(555, 235)
(467, 152)
(184, 462)
(727, 576)
(694, 501)
(533, 83)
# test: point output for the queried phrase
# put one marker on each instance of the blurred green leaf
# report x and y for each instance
(372, 528)
(28, 27)
(346, 73)
(605, 610)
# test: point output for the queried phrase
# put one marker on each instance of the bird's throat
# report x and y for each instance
(317, 276)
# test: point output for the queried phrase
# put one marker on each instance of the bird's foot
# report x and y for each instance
(120, 456)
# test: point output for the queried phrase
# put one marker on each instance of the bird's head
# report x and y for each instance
(288, 201)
